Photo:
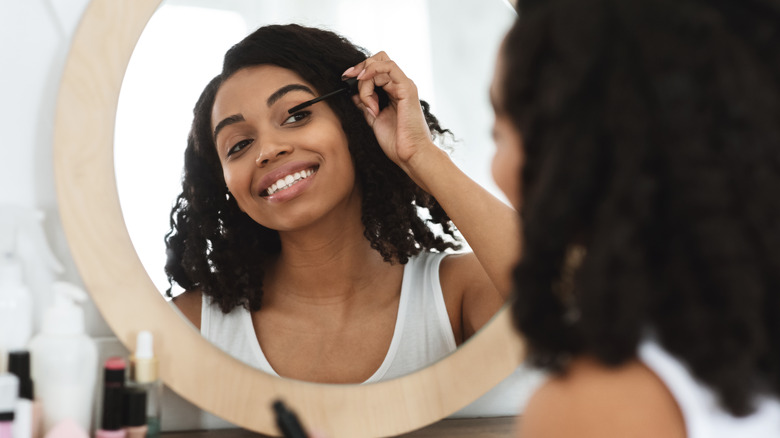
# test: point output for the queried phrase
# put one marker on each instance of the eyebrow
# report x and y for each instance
(272, 99)
(235, 118)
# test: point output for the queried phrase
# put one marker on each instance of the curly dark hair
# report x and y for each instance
(216, 248)
(651, 135)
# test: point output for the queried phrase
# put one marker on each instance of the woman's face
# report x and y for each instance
(284, 170)
(508, 159)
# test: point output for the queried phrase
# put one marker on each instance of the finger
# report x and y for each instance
(368, 114)
(391, 78)
(352, 71)
(368, 96)
(388, 67)
(359, 67)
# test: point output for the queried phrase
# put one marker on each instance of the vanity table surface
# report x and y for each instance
(499, 427)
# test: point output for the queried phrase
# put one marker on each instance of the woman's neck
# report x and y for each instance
(328, 262)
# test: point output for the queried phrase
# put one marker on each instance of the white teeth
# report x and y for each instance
(288, 181)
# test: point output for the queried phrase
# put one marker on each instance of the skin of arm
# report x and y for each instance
(592, 400)
(477, 282)
(189, 304)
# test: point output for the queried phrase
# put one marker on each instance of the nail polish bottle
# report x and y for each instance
(135, 413)
(111, 421)
(28, 410)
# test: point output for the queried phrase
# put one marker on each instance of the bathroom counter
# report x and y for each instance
(499, 427)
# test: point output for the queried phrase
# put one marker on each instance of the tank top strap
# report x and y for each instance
(703, 415)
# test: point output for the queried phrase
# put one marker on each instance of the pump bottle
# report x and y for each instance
(16, 311)
(27, 265)
(16, 308)
(64, 360)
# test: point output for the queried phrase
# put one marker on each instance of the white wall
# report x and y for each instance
(34, 37)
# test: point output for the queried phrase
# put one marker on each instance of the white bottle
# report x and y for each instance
(64, 360)
(16, 312)
(23, 244)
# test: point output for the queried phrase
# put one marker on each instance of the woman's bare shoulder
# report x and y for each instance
(189, 303)
(593, 400)
(469, 294)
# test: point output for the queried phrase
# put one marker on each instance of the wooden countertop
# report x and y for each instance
(498, 427)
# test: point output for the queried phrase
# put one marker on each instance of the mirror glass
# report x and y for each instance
(448, 50)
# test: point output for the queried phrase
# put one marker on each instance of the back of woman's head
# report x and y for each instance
(216, 248)
(651, 134)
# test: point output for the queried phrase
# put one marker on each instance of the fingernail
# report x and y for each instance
(347, 71)
(361, 74)
(370, 111)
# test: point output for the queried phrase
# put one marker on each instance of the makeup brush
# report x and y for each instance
(349, 86)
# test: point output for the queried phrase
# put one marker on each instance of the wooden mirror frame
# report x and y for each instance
(129, 301)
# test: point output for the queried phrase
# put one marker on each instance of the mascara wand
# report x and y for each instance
(349, 85)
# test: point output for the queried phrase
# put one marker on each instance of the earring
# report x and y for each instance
(564, 287)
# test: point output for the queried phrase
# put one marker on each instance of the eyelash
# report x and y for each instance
(242, 143)
(238, 147)
(305, 115)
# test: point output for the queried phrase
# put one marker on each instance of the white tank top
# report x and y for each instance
(699, 406)
(422, 334)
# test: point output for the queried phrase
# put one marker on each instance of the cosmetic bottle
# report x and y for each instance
(135, 413)
(112, 408)
(16, 311)
(111, 419)
(143, 375)
(28, 410)
(28, 261)
(67, 429)
(9, 387)
(64, 360)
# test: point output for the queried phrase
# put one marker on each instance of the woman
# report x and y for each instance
(640, 141)
(308, 242)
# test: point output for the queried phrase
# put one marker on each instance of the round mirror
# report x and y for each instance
(167, 72)
(130, 301)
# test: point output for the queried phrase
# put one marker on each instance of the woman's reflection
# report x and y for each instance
(319, 245)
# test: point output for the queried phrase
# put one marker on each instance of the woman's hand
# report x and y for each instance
(400, 127)
(489, 226)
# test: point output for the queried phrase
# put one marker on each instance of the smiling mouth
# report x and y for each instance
(288, 181)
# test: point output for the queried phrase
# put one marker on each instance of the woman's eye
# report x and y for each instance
(239, 146)
(297, 117)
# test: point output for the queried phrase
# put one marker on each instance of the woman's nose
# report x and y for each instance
(271, 152)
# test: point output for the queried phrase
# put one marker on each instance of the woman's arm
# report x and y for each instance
(489, 226)
(189, 304)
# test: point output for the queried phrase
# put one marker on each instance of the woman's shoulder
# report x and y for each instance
(468, 291)
(593, 400)
(189, 303)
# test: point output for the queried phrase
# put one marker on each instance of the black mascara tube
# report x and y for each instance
(287, 421)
